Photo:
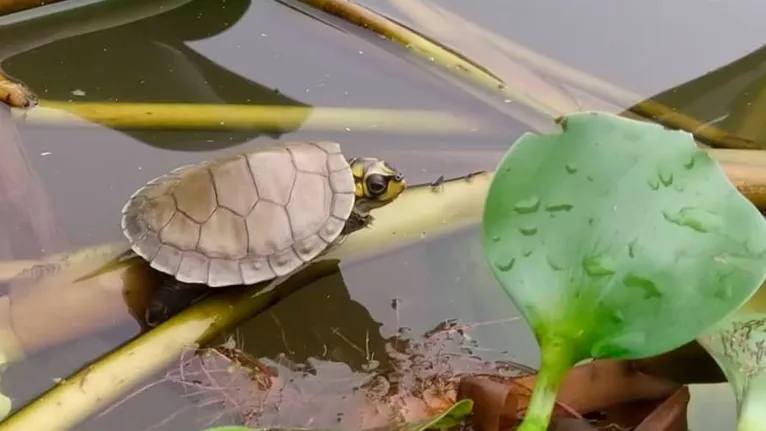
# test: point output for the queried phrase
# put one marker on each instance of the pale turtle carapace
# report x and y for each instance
(251, 217)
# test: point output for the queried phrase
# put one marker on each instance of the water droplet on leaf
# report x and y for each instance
(527, 206)
(597, 266)
(572, 169)
(505, 265)
(558, 207)
(648, 287)
(666, 177)
(654, 184)
(528, 230)
(632, 247)
(690, 163)
(496, 238)
(553, 264)
(696, 218)
(724, 293)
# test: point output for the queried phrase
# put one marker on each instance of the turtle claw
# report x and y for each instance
(17, 95)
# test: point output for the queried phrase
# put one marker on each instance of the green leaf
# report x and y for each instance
(738, 344)
(617, 239)
(448, 419)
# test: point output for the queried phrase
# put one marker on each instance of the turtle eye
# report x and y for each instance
(376, 184)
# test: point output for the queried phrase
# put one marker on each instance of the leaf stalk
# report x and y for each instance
(752, 407)
(557, 359)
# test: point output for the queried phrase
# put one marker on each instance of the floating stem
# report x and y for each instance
(199, 116)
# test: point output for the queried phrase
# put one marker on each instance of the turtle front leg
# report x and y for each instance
(16, 94)
(357, 221)
(172, 297)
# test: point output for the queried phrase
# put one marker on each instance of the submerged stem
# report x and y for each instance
(557, 360)
(752, 407)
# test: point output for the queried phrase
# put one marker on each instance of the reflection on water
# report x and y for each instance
(150, 61)
(353, 342)
(638, 46)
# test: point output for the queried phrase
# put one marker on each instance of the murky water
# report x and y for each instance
(263, 52)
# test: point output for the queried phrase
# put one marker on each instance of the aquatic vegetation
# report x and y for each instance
(448, 419)
(617, 239)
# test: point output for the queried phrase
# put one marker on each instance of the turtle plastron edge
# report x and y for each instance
(278, 280)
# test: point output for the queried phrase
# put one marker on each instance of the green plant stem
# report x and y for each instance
(557, 360)
(201, 116)
(752, 406)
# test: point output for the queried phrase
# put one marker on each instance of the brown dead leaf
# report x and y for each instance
(588, 388)
(493, 402)
(670, 415)
(572, 424)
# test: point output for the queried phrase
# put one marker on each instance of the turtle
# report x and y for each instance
(250, 217)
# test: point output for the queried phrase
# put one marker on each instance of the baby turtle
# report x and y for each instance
(251, 217)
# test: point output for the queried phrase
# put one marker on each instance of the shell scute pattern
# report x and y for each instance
(224, 272)
(243, 219)
(234, 191)
(194, 267)
(268, 228)
(223, 235)
(284, 262)
(313, 206)
(181, 223)
(195, 194)
(274, 175)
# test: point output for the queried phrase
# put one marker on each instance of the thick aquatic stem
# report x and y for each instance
(557, 360)
(201, 116)
(752, 406)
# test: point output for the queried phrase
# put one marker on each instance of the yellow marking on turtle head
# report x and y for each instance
(376, 182)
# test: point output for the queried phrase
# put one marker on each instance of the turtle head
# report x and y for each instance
(376, 183)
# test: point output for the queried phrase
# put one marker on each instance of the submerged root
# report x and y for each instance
(422, 380)
(225, 385)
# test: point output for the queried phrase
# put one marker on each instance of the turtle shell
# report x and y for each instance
(245, 218)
